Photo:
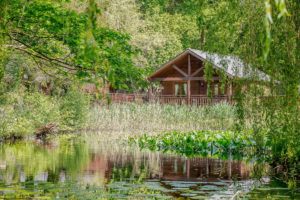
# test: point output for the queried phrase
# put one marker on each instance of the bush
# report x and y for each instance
(23, 112)
(74, 109)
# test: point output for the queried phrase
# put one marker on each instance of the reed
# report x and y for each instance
(133, 117)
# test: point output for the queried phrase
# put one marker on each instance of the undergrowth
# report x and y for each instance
(23, 112)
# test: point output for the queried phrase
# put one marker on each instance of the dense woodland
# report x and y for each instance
(61, 44)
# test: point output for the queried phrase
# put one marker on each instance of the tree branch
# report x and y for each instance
(45, 57)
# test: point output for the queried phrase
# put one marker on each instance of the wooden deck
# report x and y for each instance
(197, 100)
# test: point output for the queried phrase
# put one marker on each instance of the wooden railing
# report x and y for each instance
(204, 100)
(120, 97)
(197, 100)
(166, 99)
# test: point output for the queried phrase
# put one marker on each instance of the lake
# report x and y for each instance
(90, 167)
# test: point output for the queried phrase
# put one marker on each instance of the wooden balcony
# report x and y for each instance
(120, 97)
(197, 100)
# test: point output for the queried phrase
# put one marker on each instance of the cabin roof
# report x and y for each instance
(232, 65)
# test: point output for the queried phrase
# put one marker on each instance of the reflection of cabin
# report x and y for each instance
(171, 168)
(182, 79)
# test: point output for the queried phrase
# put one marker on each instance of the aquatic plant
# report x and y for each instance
(220, 144)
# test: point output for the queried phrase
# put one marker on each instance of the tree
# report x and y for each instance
(267, 41)
(61, 40)
(158, 35)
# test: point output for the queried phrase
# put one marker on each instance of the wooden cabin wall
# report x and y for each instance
(195, 87)
(168, 88)
(203, 89)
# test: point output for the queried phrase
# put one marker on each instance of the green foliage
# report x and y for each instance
(158, 36)
(23, 112)
(219, 144)
(74, 106)
(61, 40)
(187, 7)
(263, 34)
(208, 76)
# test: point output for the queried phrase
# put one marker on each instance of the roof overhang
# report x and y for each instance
(164, 66)
(180, 56)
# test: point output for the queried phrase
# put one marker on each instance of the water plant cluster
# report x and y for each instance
(220, 144)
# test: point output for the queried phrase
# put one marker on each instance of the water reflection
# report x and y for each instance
(163, 167)
(85, 168)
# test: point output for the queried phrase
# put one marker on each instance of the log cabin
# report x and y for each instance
(182, 79)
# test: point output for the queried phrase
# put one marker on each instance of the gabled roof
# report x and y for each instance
(232, 65)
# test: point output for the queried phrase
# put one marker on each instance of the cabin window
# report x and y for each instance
(180, 89)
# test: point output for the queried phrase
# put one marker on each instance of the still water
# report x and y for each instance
(85, 167)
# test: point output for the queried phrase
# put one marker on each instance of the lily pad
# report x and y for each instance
(183, 185)
(210, 188)
(199, 197)
(183, 188)
(220, 183)
(198, 192)
(188, 194)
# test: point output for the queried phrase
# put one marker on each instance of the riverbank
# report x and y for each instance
(25, 114)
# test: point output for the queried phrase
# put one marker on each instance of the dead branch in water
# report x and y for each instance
(47, 129)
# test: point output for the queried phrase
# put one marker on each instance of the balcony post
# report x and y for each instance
(150, 92)
(189, 80)
(230, 92)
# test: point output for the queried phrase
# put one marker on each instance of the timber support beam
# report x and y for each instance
(180, 71)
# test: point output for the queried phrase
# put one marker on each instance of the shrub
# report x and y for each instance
(74, 108)
(23, 112)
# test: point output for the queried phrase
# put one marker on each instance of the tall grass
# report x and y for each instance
(155, 117)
